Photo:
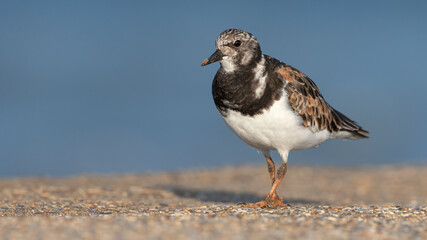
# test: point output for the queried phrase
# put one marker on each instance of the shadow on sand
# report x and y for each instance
(221, 196)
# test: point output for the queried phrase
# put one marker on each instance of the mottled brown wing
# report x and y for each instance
(306, 99)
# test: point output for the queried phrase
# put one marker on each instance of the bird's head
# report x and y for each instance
(235, 49)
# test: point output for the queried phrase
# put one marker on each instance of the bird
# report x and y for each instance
(271, 105)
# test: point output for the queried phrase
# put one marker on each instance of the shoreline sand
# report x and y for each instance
(387, 202)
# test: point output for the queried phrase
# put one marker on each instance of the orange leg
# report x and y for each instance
(272, 196)
(271, 169)
(272, 199)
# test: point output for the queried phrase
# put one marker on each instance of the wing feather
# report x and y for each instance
(306, 100)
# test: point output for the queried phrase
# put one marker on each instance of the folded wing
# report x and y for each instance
(307, 101)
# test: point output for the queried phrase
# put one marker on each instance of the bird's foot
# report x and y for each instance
(276, 197)
(260, 204)
(269, 202)
(277, 203)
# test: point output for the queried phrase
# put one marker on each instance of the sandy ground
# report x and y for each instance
(386, 202)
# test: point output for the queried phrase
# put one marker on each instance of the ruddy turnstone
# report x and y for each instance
(271, 105)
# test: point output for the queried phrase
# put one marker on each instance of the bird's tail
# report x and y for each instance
(350, 129)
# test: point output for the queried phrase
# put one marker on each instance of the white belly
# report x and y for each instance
(278, 128)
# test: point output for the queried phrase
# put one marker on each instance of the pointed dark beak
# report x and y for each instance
(216, 56)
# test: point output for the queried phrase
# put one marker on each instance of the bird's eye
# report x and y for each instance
(237, 43)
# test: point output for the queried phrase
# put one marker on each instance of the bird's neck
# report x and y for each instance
(242, 64)
(247, 79)
(228, 65)
(250, 72)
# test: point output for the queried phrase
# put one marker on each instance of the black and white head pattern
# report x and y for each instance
(240, 49)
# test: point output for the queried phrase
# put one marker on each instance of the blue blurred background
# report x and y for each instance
(116, 86)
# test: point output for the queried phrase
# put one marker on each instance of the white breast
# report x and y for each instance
(277, 128)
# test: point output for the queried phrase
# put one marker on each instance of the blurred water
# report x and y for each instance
(108, 86)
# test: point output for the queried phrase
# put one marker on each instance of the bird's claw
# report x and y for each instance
(266, 203)
(260, 204)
